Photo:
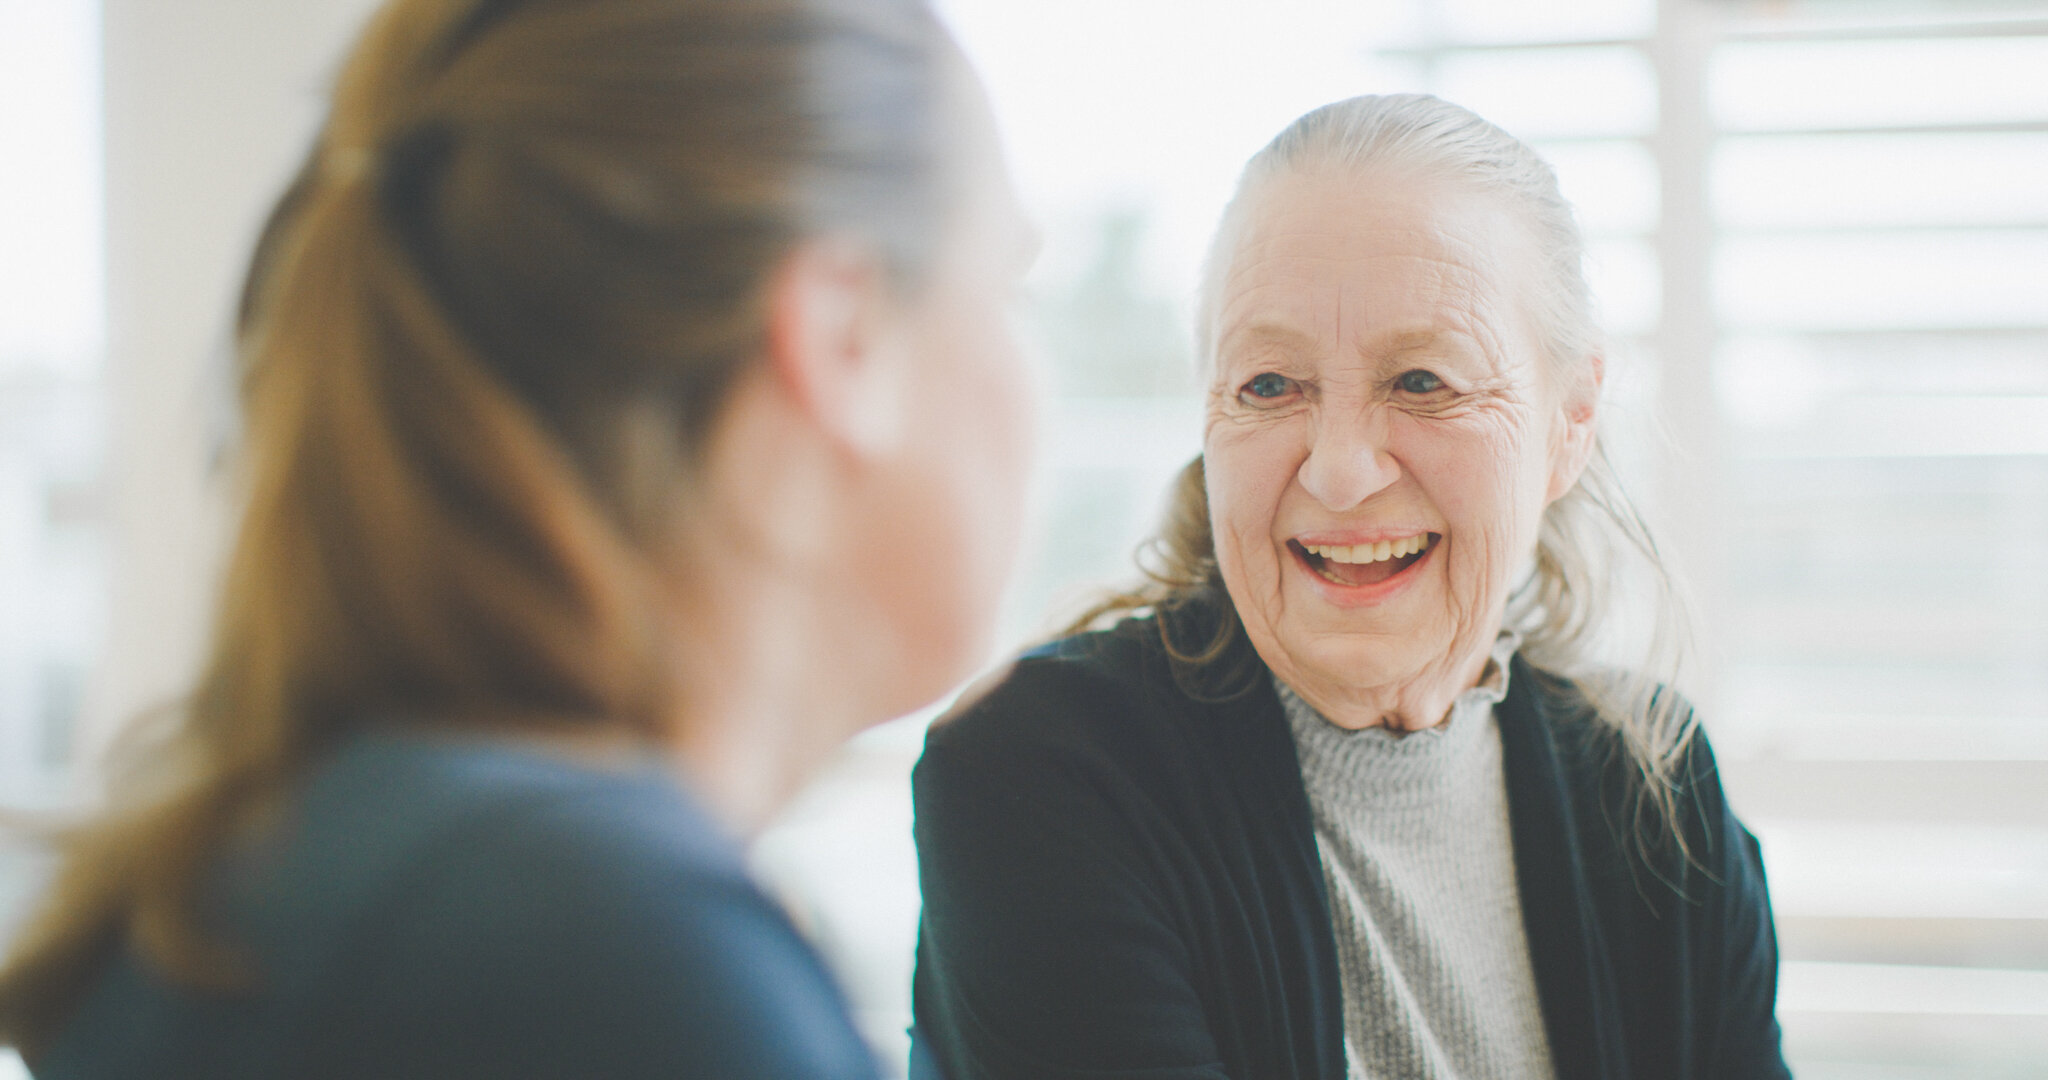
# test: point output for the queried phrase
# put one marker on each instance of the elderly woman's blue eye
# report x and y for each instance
(1269, 385)
(1419, 382)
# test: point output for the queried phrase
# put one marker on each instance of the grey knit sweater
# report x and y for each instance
(1417, 858)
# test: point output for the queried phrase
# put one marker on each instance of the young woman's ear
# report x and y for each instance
(1578, 426)
(830, 343)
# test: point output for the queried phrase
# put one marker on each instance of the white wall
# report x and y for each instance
(209, 104)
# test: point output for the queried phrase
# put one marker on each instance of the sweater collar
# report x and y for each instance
(1386, 765)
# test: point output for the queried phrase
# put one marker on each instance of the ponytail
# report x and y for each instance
(483, 333)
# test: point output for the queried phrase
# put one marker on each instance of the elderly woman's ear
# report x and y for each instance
(1574, 437)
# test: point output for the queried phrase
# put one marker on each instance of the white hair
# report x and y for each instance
(1568, 609)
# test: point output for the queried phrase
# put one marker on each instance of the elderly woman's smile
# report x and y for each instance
(1358, 565)
(1383, 436)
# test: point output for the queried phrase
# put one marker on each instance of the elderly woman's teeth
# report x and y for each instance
(1371, 553)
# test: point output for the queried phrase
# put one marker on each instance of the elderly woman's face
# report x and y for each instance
(1382, 438)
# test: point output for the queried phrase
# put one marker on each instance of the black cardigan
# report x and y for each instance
(1121, 880)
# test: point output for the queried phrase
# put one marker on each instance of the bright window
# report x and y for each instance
(51, 435)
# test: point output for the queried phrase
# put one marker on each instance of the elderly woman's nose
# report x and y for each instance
(1348, 462)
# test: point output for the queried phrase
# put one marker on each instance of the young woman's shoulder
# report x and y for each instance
(554, 919)
(470, 909)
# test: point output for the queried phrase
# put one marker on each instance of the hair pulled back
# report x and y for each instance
(484, 334)
(1567, 609)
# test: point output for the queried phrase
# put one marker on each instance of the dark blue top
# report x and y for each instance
(444, 908)
(1121, 882)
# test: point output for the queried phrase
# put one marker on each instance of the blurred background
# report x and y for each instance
(1819, 237)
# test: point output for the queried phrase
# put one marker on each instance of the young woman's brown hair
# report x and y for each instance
(487, 343)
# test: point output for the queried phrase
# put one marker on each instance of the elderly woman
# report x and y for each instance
(1346, 795)
(631, 418)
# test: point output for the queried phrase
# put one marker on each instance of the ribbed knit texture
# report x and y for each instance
(1419, 864)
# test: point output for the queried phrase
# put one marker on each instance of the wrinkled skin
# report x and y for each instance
(1376, 374)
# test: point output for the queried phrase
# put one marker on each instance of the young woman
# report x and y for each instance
(630, 418)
